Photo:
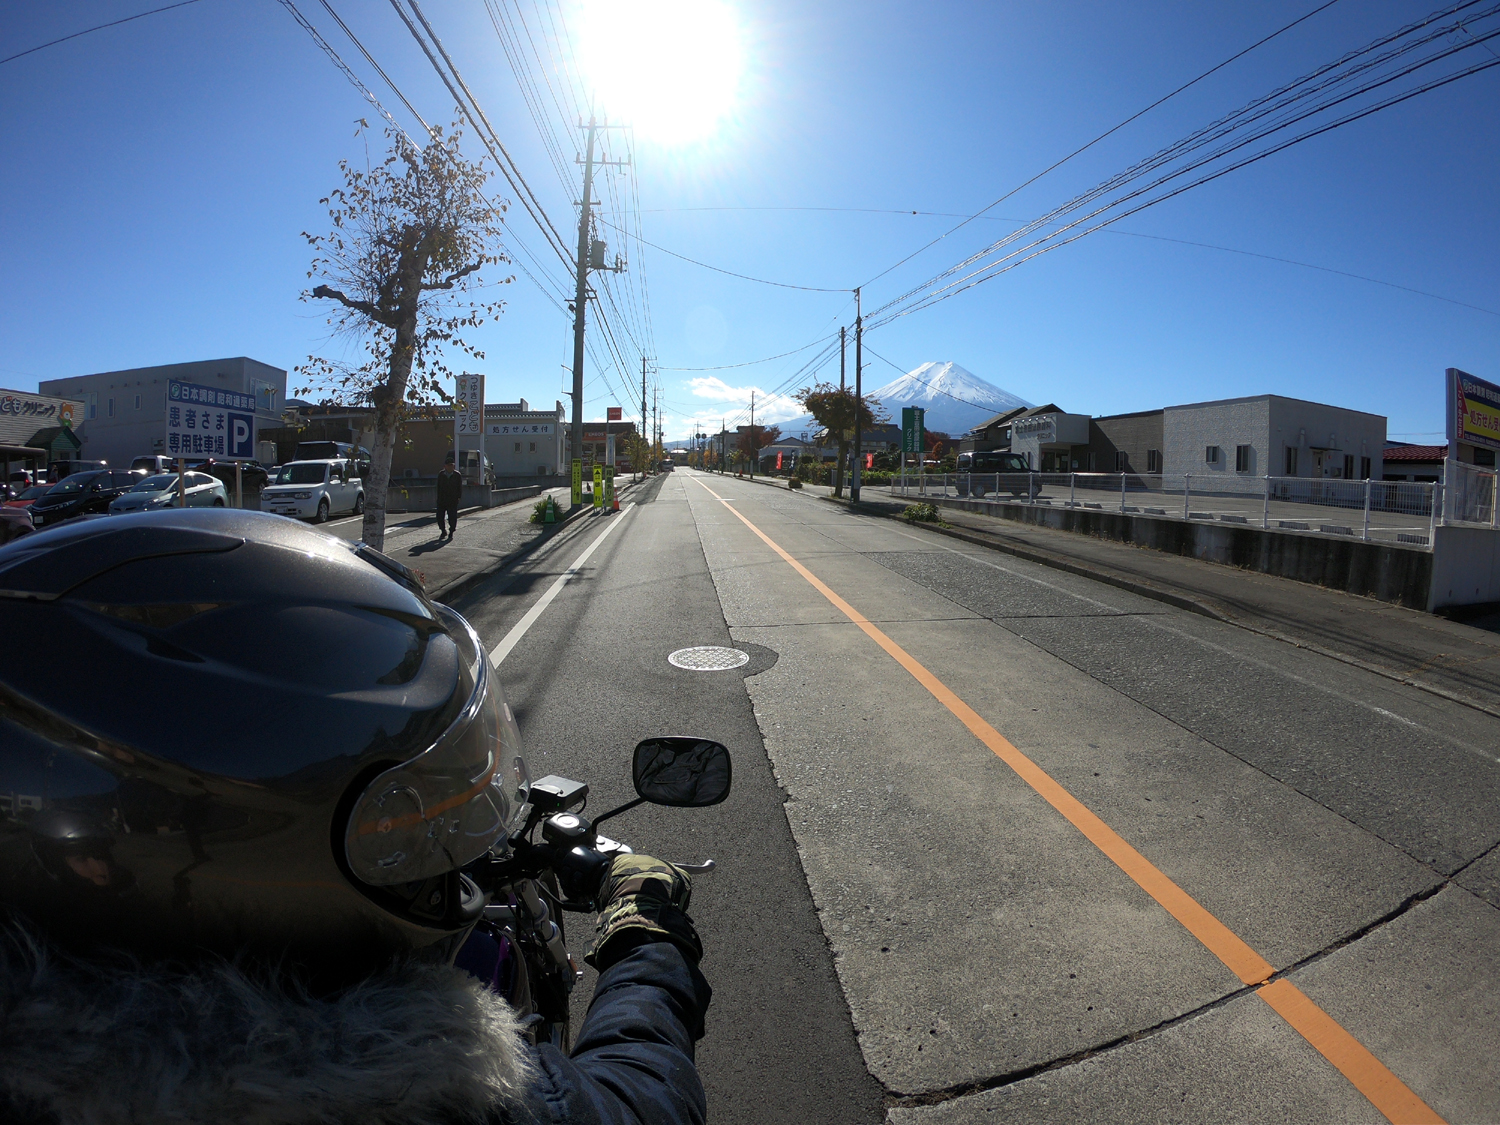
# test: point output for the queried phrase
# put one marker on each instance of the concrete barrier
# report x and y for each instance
(1465, 567)
(1403, 575)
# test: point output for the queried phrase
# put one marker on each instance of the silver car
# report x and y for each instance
(160, 491)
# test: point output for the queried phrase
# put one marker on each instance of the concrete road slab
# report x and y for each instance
(1237, 1062)
(1423, 993)
(1482, 877)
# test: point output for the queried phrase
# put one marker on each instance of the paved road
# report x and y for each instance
(959, 774)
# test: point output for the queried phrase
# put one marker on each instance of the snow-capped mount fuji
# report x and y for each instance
(955, 400)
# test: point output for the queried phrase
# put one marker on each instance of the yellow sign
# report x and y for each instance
(1478, 411)
(598, 486)
(577, 483)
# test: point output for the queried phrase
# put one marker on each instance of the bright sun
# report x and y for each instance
(670, 68)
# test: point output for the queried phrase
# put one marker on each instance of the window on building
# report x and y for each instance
(1348, 466)
(137, 402)
(1122, 460)
(109, 407)
(533, 447)
(1291, 460)
(1243, 458)
(1211, 455)
(518, 447)
(1153, 460)
(1485, 457)
(92, 405)
(1364, 468)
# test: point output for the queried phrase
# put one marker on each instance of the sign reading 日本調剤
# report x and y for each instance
(1473, 411)
(209, 422)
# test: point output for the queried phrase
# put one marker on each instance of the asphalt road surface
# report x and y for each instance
(1009, 845)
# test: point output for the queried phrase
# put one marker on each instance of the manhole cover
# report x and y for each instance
(709, 658)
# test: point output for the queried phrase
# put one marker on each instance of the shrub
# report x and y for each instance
(539, 510)
(926, 513)
(793, 482)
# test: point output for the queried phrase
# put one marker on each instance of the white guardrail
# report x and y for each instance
(1397, 512)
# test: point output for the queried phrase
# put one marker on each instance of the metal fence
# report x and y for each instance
(1399, 512)
(1471, 496)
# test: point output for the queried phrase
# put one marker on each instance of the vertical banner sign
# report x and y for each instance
(598, 485)
(577, 482)
(1473, 412)
(913, 426)
(209, 422)
(609, 451)
(468, 415)
(609, 488)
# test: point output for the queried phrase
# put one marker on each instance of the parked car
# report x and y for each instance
(27, 497)
(315, 490)
(972, 467)
(160, 491)
(80, 494)
(14, 522)
(667, 465)
(253, 475)
(27, 477)
(156, 463)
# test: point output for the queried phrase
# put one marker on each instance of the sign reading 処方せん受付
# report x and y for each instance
(209, 422)
(1473, 411)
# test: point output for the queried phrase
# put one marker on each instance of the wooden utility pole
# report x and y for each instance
(754, 450)
(643, 408)
(859, 400)
(580, 305)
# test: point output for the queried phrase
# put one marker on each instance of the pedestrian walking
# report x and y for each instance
(450, 487)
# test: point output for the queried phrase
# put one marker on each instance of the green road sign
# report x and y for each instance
(577, 483)
(913, 427)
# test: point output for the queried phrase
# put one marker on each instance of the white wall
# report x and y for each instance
(540, 439)
(1188, 431)
(1465, 567)
(1308, 424)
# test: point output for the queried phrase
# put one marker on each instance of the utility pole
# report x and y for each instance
(723, 444)
(580, 304)
(859, 400)
(643, 407)
(755, 453)
(841, 357)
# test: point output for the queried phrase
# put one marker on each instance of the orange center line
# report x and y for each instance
(1368, 1074)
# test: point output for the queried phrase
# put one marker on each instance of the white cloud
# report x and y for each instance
(768, 407)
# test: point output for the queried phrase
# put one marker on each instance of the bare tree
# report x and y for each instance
(402, 261)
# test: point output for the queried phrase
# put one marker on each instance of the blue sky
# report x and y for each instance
(159, 174)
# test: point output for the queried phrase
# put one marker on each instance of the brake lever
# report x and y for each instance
(697, 868)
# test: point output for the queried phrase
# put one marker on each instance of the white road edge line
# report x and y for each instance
(518, 630)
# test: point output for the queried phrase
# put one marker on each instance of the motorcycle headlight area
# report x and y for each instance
(449, 805)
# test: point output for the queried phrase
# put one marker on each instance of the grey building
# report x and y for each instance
(1125, 443)
(993, 433)
(1051, 440)
(1269, 435)
(124, 412)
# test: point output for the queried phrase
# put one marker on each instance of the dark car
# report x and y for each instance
(14, 522)
(80, 494)
(253, 475)
(1004, 469)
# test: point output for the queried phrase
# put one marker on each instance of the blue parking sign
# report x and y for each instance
(240, 441)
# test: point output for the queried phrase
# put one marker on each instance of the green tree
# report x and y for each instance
(402, 262)
(834, 408)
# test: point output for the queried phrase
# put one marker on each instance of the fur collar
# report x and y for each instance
(120, 1043)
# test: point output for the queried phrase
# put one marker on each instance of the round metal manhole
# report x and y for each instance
(708, 658)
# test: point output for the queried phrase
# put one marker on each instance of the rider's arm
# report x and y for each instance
(633, 1062)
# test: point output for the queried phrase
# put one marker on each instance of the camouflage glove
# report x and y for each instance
(643, 899)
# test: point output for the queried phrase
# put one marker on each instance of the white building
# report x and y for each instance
(1268, 435)
(125, 412)
(1046, 437)
(521, 442)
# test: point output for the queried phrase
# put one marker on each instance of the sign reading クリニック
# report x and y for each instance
(913, 423)
(209, 422)
(1473, 412)
(468, 405)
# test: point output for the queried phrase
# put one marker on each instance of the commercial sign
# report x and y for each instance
(913, 425)
(577, 482)
(503, 429)
(1473, 412)
(22, 415)
(468, 405)
(1043, 428)
(613, 413)
(209, 422)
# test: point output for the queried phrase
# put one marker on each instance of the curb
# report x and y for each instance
(1177, 600)
(457, 587)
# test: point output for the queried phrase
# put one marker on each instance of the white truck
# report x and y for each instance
(315, 490)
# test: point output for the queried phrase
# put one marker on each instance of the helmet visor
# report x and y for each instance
(449, 805)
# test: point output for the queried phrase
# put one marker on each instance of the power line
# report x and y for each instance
(748, 362)
(91, 30)
(717, 269)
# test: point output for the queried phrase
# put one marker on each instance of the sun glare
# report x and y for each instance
(670, 68)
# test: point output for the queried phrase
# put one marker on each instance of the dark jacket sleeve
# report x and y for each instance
(633, 1059)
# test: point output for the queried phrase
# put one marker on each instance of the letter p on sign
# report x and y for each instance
(241, 436)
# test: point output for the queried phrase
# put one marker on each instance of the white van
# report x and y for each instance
(315, 490)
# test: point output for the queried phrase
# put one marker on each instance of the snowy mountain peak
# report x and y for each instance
(956, 400)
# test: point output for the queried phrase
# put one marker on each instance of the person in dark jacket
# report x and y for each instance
(195, 923)
(450, 488)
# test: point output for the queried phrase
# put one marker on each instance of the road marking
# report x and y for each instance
(1370, 1076)
(518, 630)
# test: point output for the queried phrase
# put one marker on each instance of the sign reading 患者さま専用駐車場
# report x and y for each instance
(209, 422)
(1473, 412)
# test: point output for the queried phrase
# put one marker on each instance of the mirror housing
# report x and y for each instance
(682, 772)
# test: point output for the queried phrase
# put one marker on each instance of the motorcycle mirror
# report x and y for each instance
(682, 772)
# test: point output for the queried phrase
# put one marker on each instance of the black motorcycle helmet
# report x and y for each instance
(224, 731)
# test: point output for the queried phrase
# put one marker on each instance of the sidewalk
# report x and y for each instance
(1457, 661)
(486, 540)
